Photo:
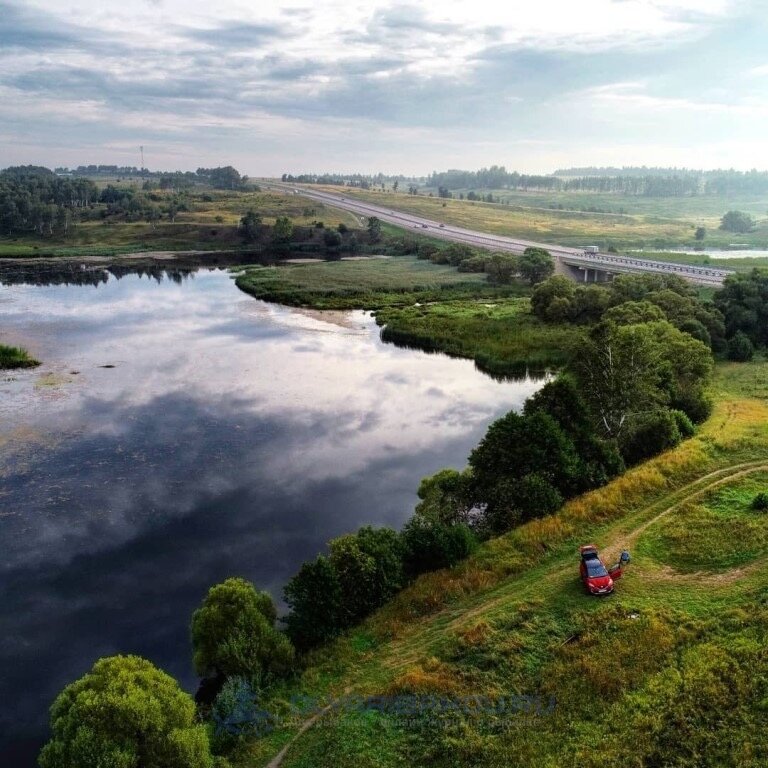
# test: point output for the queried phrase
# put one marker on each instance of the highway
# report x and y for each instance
(575, 258)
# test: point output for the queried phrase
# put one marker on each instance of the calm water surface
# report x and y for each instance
(231, 437)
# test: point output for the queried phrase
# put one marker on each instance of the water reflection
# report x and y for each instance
(231, 437)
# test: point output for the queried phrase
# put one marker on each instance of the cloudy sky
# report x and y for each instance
(379, 85)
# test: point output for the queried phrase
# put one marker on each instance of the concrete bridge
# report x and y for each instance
(575, 263)
(601, 267)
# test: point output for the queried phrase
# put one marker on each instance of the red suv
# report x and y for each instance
(593, 572)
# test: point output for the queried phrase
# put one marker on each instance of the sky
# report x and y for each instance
(398, 87)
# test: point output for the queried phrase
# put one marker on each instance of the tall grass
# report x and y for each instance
(16, 357)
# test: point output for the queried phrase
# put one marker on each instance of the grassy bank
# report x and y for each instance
(502, 336)
(671, 670)
(367, 283)
(16, 357)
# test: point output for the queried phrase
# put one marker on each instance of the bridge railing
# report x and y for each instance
(589, 259)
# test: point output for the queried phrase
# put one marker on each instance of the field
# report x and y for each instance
(622, 222)
(670, 670)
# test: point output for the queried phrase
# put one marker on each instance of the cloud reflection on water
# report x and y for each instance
(232, 437)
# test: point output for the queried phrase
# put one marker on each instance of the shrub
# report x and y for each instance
(760, 502)
(233, 634)
(740, 348)
(430, 546)
(236, 715)
(369, 567)
(684, 424)
(314, 597)
(125, 713)
(648, 434)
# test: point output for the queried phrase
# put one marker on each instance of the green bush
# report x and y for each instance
(684, 424)
(740, 348)
(314, 597)
(648, 434)
(369, 567)
(760, 502)
(430, 546)
(125, 713)
(233, 634)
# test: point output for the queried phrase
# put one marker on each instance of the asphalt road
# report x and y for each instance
(574, 257)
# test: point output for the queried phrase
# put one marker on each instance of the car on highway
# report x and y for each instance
(594, 574)
(442, 225)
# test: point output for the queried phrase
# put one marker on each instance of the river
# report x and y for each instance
(180, 432)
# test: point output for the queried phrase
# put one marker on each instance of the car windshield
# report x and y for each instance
(595, 568)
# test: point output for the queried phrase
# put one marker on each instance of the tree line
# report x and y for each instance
(34, 199)
(658, 182)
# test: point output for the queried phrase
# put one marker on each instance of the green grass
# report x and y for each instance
(719, 532)
(671, 670)
(502, 336)
(366, 283)
(16, 357)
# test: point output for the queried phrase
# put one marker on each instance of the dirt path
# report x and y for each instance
(277, 760)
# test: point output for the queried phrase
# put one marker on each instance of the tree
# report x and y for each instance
(740, 348)
(314, 597)
(233, 633)
(125, 713)
(557, 287)
(395, 185)
(623, 370)
(700, 233)
(737, 221)
(368, 565)
(536, 265)
(374, 229)
(501, 267)
(743, 300)
(428, 546)
(282, 231)
(332, 240)
(445, 497)
(517, 446)
(250, 224)
(633, 313)
(648, 434)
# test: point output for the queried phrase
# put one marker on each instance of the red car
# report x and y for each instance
(594, 574)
